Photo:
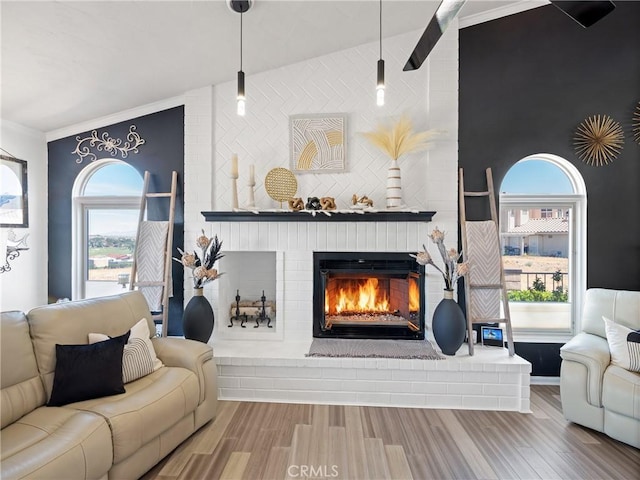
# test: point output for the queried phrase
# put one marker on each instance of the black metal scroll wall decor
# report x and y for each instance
(106, 143)
(15, 245)
(14, 207)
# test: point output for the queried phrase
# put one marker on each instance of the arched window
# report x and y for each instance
(106, 203)
(543, 235)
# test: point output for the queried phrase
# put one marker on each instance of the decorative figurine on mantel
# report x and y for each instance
(328, 203)
(313, 203)
(296, 204)
(361, 202)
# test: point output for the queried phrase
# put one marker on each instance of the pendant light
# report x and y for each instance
(240, 6)
(380, 82)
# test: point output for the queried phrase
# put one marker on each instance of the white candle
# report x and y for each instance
(234, 166)
(252, 174)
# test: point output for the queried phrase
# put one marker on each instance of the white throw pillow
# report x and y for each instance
(624, 344)
(139, 357)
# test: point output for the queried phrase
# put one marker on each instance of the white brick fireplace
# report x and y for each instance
(269, 364)
(291, 245)
(277, 257)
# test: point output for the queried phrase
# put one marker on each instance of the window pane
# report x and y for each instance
(114, 179)
(536, 249)
(111, 238)
(535, 177)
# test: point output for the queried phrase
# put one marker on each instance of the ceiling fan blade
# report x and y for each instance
(586, 13)
(446, 12)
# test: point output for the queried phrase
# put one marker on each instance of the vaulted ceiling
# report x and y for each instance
(66, 62)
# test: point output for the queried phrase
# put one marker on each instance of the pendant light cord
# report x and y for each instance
(240, 40)
(381, 29)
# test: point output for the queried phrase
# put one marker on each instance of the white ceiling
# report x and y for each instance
(67, 62)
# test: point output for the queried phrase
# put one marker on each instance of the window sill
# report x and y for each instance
(542, 337)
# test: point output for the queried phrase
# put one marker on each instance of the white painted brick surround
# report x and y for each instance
(258, 364)
(490, 380)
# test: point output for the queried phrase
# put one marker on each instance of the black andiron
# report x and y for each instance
(262, 316)
(238, 316)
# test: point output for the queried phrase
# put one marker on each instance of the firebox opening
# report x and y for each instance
(368, 295)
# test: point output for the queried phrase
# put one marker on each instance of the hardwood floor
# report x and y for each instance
(288, 441)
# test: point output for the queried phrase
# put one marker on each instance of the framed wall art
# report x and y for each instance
(14, 209)
(318, 142)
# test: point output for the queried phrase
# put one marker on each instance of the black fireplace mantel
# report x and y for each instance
(305, 216)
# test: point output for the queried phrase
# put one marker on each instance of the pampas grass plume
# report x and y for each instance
(399, 138)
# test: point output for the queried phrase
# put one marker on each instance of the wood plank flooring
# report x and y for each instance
(255, 441)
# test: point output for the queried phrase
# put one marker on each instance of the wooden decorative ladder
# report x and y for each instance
(485, 285)
(157, 235)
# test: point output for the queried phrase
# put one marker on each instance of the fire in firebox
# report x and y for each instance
(371, 301)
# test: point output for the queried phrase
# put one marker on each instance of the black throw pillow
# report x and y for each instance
(89, 371)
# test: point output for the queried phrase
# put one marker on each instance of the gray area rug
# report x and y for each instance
(343, 347)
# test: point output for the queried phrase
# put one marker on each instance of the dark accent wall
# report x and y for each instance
(162, 153)
(526, 82)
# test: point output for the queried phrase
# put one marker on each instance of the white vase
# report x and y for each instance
(394, 185)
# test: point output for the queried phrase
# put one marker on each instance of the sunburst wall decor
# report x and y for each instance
(598, 140)
(636, 124)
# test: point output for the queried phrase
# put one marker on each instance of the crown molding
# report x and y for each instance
(504, 11)
(114, 118)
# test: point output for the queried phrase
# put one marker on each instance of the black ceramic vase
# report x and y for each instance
(197, 319)
(448, 325)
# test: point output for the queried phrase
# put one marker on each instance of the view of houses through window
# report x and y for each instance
(535, 243)
(538, 238)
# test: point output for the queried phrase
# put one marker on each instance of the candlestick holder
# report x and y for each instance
(252, 201)
(234, 191)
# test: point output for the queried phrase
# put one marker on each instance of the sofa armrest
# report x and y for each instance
(189, 354)
(591, 351)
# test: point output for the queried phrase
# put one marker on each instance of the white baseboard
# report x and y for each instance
(545, 380)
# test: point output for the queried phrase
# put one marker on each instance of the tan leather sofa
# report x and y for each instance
(116, 437)
(595, 393)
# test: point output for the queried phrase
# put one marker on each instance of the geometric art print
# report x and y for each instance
(318, 143)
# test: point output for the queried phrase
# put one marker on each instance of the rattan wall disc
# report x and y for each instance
(598, 140)
(636, 124)
(281, 184)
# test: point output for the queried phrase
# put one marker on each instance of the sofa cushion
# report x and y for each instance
(53, 442)
(624, 345)
(139, 357)
(621, 392)
(621, 306)
(22, 389)
(71, 323)
(88, 371)
(151, 405)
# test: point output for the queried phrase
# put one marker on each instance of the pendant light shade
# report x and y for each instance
(380, 77)
(240, 98)
(240, 6)
(380, 84)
